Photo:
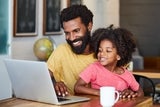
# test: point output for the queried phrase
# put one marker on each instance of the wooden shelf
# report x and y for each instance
(151, 73)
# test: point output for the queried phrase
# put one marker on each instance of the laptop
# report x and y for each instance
(31, 80)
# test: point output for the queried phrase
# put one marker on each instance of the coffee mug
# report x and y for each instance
(108, 96)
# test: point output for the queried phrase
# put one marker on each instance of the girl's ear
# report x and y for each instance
(118, 57)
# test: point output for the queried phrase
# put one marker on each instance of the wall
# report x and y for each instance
(142, 18)
(105, 12)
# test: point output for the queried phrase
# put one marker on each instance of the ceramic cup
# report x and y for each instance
(108, 96)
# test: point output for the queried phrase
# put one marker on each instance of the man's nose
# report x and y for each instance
(72, 37)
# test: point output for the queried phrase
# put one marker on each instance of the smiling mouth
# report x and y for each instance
(102, 59)
(77, 43)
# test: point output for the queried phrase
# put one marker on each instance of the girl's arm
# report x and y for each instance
(81, 87)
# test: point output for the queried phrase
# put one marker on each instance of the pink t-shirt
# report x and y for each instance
(99, 76)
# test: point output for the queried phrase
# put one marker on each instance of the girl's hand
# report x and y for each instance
(128, 93)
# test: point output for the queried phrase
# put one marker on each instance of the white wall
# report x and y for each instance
(105, 12)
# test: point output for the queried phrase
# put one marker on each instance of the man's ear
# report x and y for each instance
(90, 26)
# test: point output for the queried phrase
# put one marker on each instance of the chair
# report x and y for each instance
(146, 84)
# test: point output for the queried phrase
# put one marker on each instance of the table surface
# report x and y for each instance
(151, 73)
(94, 102)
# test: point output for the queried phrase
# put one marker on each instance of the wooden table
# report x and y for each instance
(94, 102)
(151, 73)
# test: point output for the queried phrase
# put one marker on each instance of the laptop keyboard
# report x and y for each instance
(62, 99)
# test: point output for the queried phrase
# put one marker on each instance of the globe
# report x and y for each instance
(43, 48)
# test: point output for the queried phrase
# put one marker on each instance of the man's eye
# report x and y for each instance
(66, 33)
(77, 30)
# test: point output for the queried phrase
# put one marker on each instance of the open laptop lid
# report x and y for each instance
(31, 80)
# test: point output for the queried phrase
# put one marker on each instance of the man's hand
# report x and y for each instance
(61, 89)
(128, 93)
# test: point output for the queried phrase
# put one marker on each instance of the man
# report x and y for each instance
(69, 59)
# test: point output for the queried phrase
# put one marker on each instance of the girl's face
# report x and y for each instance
(107, 54)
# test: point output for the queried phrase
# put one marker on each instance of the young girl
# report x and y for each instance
(114, 48)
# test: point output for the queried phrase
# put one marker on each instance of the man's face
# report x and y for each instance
(77, 35)
(79, 49)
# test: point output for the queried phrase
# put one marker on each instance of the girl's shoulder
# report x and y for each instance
(124, 71)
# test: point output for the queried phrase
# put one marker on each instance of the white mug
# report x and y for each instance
(108, 96)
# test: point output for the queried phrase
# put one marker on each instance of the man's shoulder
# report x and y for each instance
(63, 46)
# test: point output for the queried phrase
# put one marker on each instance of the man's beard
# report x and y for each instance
(85, 41)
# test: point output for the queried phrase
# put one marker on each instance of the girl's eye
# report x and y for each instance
(109, 51)
(99, 50)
